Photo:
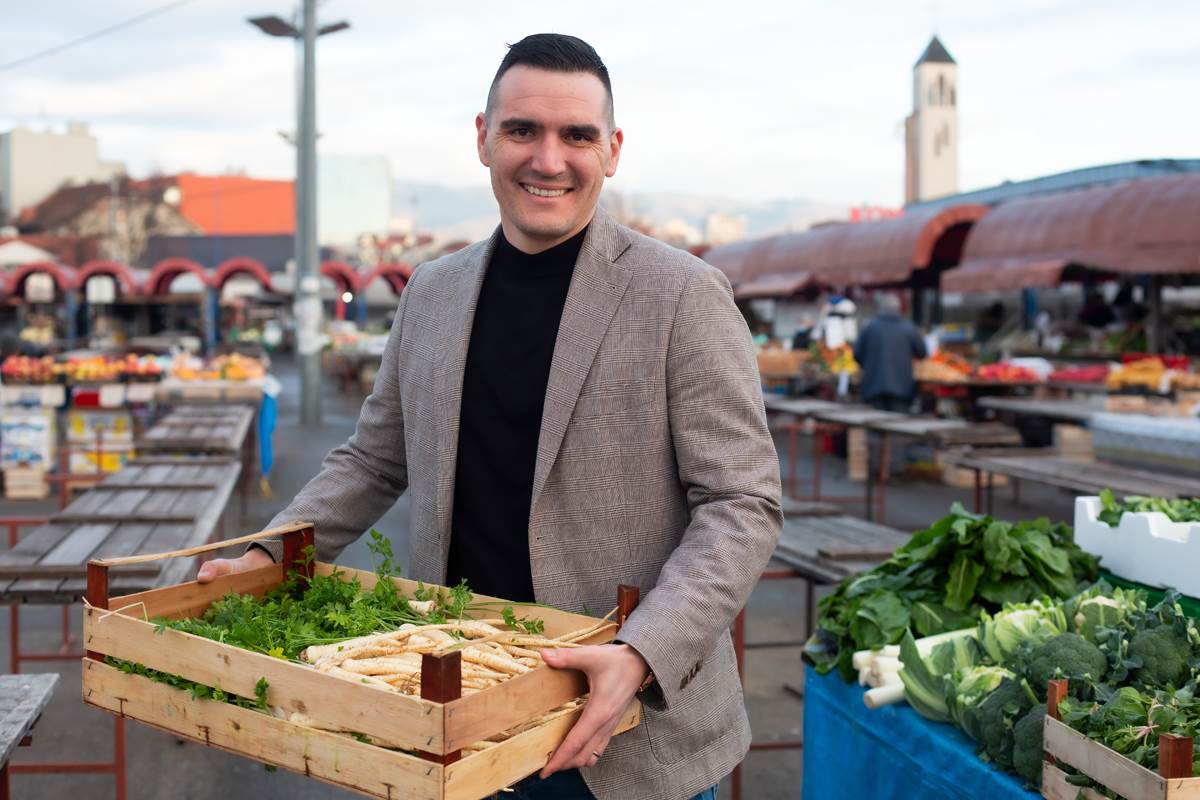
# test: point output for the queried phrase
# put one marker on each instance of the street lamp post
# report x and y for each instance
(307, 307)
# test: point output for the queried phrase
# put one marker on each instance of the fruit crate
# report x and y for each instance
(1107, 767)
(433, 728)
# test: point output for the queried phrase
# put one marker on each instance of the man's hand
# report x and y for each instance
(614, 673)
(253, 558)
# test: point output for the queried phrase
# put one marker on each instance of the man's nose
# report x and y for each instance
(548, 156)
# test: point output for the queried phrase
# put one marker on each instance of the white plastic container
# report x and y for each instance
(1146, 547)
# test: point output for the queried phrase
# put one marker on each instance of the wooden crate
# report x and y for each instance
(436, 726)
(1109, 768)
(26, 483)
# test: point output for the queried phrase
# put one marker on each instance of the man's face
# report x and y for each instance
(549, 148)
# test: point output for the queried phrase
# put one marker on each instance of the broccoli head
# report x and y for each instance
(1164, 652)
(996, 715)
(1067, 655)
(1027, 752)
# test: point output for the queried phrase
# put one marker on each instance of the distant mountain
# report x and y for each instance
(470, 212)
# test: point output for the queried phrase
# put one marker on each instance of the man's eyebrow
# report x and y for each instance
(590, 131)
(517, 122)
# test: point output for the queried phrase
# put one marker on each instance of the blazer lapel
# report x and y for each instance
(454, 336)
(596, 289)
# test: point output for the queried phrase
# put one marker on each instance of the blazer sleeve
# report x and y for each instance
(361, 479)
(729, 470)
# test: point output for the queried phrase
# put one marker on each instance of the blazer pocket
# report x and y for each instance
(715, 709)
(616, 400)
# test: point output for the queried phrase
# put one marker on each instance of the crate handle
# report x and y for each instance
(293, 527)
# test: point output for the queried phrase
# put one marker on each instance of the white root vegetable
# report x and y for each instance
(862, 659)
(865, 677)
(884, 695)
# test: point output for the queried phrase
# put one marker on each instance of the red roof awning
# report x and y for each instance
(863, 254)
(889, 250)
(1138, 227)
(771, 286)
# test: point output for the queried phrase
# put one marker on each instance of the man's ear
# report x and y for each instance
(615, 140)
(481, 139)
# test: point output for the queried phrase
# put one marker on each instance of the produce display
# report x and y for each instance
(233, 367)
(942, 579)
(834, 360)
(942, 367)
(1002, 372)
(97, 369)
(371, 637)
(1094, 373)
(1132, 674)
(1177, 510)
(1147, 373)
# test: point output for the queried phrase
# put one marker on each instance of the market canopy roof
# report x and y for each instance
(1149, 226)
(862, 254)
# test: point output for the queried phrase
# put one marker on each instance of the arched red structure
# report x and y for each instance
(120, 272)
(396, 275)
(62, 276)
(344, 275)
(166, 271)
(241, 266)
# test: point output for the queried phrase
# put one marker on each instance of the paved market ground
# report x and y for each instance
(161, 766)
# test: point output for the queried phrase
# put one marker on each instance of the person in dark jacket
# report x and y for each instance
(885, 351)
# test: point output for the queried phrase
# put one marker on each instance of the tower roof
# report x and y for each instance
(936, 52)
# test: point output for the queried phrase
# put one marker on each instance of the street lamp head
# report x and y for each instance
(275, 26)
(333, 27)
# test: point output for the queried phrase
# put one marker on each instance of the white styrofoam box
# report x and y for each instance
(1146, 547)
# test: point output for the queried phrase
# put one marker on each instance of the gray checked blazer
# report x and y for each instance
(654, 468)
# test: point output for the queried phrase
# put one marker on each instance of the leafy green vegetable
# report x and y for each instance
(943, 579)
(1028, 751)
(1020, 624)
(1177, 510)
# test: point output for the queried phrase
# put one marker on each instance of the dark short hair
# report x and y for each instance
(555, 52)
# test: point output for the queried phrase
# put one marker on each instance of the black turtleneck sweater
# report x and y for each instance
(504, 388)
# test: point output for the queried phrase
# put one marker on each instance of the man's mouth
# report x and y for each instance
(538, 191)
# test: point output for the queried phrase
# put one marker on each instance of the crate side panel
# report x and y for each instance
(481, 774)
(393, 717)
(1056, 787)
(329, 757)
(477, 716)
(192, 599)
(1105, 766)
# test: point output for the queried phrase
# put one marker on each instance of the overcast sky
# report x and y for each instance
(753, 100)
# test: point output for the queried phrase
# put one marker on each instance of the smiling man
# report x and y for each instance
(572, 406)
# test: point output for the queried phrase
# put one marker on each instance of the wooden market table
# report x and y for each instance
(819, 550)
(941, 433)
(1074, 411)
(1048, 467)
(155, 504)
(23, 698)
(207, 430)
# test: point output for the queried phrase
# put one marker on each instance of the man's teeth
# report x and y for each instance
(543, 192)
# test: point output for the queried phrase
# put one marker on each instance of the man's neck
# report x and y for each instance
(531, 245)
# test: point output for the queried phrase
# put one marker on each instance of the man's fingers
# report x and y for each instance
(567, 657)
(210, 570)
(583, 731)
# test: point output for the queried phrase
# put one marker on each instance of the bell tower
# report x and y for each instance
(931, 131)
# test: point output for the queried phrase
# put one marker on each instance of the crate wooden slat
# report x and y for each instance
(335, 759)
(437, 731)
(329, 757)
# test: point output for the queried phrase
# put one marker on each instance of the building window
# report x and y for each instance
(941, 90)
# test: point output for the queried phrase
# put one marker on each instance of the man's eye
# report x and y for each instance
(521, 133)
(580, 137)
